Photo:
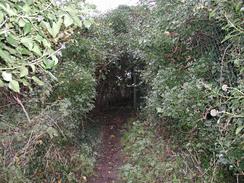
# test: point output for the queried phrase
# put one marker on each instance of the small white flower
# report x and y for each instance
(214, 112)
(242, 9)
(40, 18)
(225, 88)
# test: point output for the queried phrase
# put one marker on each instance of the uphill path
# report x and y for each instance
(110, 157)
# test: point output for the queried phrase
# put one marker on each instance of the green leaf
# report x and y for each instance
(46, 43)
(39, 38)
(47, 26)
(54, 30)
(212, 13)
(77, 20)
(48, 63)
(55, 59)
(68, 21)
(36, 49)
(239, 129)
(12, 40)
(159, 110)
(25, 82)
(7, 76)
(14, 85)
(56, 27)
(10, 11)
(52, 132)
(1, 83)
(27, 28)
(23, 72)
(38, 81)
(22, 50)
(1, 17)
(227, 37)
(5, 56)
(26, 8)
(87, 23)
(29, 2)
(21, 22)
(27, 42)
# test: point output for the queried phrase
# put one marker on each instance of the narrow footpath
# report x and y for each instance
(110, 157)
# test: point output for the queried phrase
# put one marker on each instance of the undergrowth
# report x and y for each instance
(153, 157)
(45, 149)
(184, 56)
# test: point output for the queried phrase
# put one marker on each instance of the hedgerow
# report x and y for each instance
(42, 106)
(194, 73)
(185, 57)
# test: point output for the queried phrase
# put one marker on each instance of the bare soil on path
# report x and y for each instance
(110, 157)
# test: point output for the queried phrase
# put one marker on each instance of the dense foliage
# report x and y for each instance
(183, 60)
(194, 56)
(31, 36)
(43, 108)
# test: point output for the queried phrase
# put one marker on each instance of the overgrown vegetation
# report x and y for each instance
(194, 56)
(181, 61)
(42, 121)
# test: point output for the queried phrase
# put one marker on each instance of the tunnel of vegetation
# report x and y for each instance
(118, 84)
(179, 62)
(118, 76)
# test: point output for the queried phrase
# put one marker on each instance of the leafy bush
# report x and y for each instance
(152, 157)
(36, 139)
(30, 33)
(38, 150)
(197, 82)
(189, 54)
(143, 152)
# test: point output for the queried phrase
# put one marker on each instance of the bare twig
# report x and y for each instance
(23, 108)
(3, 23)
(222, 65)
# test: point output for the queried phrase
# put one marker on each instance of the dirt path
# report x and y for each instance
(110, 157)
